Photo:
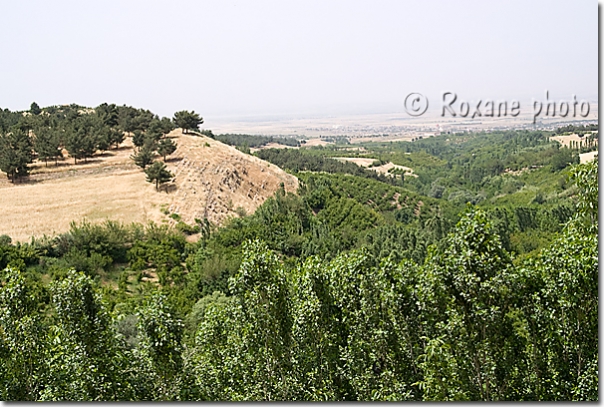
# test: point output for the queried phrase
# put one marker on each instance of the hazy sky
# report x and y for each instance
(302, 57)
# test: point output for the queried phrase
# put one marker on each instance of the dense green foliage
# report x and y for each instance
(321, 296)
(465, 167)
(165, 147)
(15, 153)
(250, 141)
(187, 120)
(297, 161)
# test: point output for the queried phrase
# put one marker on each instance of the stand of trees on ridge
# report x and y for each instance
(42, 133)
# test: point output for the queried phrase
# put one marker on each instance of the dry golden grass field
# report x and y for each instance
(211, 179)
(565, 140)
(381, 169)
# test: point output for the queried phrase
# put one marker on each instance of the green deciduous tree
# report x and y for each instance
(85, 361)
(246, 341)
(560, 319)
(470, 356)
(161, 344)
(585, 177)
(562, 158)
(23, 342)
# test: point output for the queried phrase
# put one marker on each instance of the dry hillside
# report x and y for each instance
(211, 180)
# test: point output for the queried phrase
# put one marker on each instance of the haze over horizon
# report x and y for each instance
(302, 58)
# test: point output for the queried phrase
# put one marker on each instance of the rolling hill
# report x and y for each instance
(212, 180)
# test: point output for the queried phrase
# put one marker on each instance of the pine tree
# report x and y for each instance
(47, 145)
(187, 120)
(138, 138)
(35, 109)
(158, 173)
(166, 147)
(116, 137)
(143, 157)
(15, 154)
(80, 145)
(108, 114)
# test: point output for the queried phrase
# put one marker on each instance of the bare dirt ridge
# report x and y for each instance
(212, 180)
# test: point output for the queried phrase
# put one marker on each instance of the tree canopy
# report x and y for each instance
(187, 120)
(15, 153)
(158, 174)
